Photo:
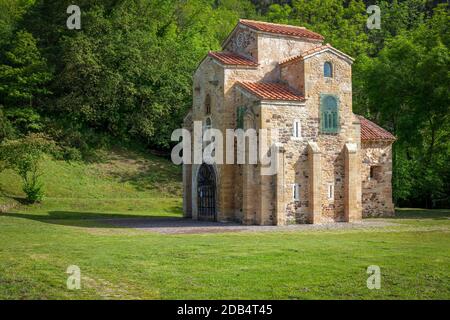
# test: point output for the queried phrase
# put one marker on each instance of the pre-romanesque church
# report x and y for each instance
(333, 165)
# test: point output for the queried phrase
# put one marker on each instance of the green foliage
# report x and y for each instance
(25, 119)
(279, 13)
(412, 73)
(23, 156)
(6, 128)
(127, 74)
(23, 72)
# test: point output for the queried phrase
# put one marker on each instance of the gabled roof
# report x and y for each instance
(233, 59)
(274, 28)
(373, 132)
(314, 51)
(271, 91)
(283, 29)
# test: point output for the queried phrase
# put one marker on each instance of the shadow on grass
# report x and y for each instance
(96, 219)
(111, 220)
(435, 214)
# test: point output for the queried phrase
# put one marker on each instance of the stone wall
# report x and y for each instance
(244, 194)
(377, 191)
(281, 118)
(331, 145)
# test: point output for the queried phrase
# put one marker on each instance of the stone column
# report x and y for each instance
(315, 172)
(266, 192)
(248, 197)
(187, 192)
(279, 193)
(266, 187)
(194, 171)
(352, 185)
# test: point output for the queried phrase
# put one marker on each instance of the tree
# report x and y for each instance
(407, 87)
(23, 72)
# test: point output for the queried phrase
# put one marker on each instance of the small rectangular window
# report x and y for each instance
(330, 191)
(296, 192)
(240, 117)
(296, 130)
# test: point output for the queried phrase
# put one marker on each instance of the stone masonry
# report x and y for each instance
(333, 166)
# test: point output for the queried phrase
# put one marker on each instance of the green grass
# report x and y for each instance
(38, 243)
(126, 182)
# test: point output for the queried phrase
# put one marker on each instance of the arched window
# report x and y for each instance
(208, 104)
(328, 70)
(329, 114)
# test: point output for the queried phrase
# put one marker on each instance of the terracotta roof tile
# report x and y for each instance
(230, 58)
(271, 91)
(306, 53)
(312, 51)
(288, 30)
(373, 132)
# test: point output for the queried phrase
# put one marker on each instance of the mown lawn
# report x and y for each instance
(38, 243)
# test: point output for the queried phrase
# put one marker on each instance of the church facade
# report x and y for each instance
(333, 165)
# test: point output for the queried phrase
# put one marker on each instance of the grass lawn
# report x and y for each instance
(38, 243)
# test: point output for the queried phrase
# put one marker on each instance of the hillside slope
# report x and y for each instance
(126, 182)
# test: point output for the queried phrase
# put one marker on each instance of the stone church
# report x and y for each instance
(334, 166)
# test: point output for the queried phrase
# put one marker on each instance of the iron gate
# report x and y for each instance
(206, 193)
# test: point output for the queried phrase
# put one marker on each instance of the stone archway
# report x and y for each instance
(206, 193)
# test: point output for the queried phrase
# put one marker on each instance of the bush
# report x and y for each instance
(71, 154)
(24, 156)
(33, 189)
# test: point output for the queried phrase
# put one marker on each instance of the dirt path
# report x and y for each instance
(188, 226)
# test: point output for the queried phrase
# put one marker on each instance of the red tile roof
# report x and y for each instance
(271, 91)
(281, 29)
(234, 59)
(373, 132)
(312, 51)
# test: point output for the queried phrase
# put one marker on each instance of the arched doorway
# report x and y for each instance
(206, 193)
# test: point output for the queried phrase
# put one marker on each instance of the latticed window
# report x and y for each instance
(329, 114)
(208, 104)
(327, 70)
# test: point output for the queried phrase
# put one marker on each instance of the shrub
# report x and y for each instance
(71, 154)
(24, 156)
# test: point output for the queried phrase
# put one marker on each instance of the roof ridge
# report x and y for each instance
(274, 24)
(298, 56)
(283, 29)
(313, 50)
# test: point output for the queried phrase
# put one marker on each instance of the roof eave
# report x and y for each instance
(391, 140)
(225, 42)
(334, 50)
(288, 61)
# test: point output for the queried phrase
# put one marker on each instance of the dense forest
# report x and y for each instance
(126, 74)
